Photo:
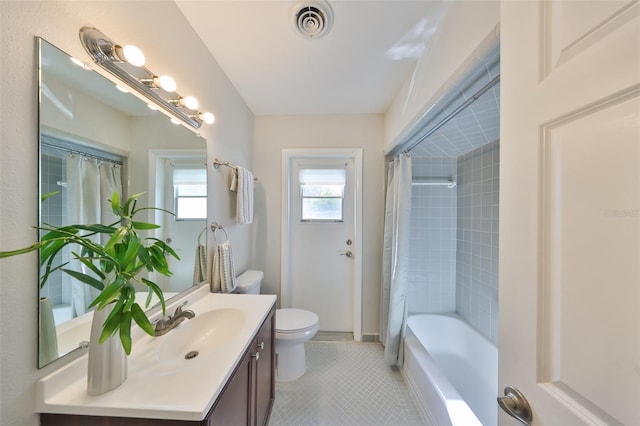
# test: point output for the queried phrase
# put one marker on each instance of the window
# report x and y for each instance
(322, 194)
(190, 192)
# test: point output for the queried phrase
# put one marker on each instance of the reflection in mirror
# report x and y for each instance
(94, 140)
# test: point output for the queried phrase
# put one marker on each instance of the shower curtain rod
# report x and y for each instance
(455, 112)
(84, 154)
(449, 182)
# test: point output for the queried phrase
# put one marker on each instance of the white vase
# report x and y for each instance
(107, 360)
(47, 338)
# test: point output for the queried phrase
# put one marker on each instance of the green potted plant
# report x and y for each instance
(116, 266)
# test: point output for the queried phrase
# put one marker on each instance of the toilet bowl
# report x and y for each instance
(293, 328)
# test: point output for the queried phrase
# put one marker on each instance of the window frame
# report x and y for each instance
(322, 197)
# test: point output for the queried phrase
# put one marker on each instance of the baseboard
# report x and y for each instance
(373, 337)
(332, 336)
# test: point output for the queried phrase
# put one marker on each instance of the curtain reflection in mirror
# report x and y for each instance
(85, 180)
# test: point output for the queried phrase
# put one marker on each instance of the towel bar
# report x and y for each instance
(215, 226)
(217, 163)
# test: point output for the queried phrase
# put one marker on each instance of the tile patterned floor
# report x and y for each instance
(346, 383)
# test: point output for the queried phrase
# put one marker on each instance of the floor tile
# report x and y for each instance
(346, 383)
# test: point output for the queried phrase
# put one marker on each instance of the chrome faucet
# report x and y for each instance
(163, 326)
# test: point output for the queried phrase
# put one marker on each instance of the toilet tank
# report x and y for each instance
(249, 282)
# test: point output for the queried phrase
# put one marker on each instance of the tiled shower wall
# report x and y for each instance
(477, 239)
(454, 239)
(432, 268)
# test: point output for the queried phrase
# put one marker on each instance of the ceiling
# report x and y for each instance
(357, 67)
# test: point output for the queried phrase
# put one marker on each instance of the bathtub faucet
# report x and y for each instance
(163, 326)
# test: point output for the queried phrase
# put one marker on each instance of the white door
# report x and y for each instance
(570, 210)
(178, 177)
(185, 196)
(320, 266)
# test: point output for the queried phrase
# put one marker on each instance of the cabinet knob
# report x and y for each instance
(261, 345)
(256, 355)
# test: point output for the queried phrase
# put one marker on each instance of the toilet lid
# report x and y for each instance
(291, 320)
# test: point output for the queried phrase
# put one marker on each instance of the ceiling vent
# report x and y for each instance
(312, 19)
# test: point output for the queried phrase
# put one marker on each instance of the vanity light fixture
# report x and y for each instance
(127, 64)
(189, 102)
(130, 54)
(164, 82)
(207, 117)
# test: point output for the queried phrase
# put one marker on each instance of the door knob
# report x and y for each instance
(516, 405)
(346, 253)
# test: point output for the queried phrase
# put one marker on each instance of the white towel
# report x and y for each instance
(243, 183)
(200, 267)
(223, 274)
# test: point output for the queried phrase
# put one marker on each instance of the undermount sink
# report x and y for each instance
(200, 336)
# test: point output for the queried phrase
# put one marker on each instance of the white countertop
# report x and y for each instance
(181, 389)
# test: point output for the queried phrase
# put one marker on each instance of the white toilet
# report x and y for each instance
(293, 328)
(249, 282)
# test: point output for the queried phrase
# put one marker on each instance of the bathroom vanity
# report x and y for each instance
(216, 369)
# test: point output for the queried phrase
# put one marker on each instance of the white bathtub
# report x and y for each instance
(452, 370)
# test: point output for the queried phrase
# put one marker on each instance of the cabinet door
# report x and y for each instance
(265, 371)
(232, 407)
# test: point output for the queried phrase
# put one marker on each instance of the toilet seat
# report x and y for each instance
(290, 320)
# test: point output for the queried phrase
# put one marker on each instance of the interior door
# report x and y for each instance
(185, 184)
(570, 210)
(322, 233)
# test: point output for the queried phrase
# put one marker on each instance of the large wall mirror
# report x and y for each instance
(96, 139)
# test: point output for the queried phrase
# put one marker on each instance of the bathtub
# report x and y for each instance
(451, 370)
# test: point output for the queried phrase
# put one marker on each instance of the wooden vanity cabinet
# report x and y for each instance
(265, 373)
(247, 398)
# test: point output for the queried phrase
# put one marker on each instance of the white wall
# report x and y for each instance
(170, 46)
(466, 27)
(91, 120)
(275, 133)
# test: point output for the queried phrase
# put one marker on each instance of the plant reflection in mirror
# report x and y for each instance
(116, 265)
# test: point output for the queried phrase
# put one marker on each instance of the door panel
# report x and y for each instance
(570, 209)
(592, 268)
(572, 27)
(321, 275)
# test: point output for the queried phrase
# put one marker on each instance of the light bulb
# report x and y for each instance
(174, 121)
(166, 83)
(207, 117)
(122, 88)
(190, 102)
(130, 54)
(152, 107)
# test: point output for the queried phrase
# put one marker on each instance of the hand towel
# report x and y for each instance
(244, 197)
(223, 274)
(200, 267)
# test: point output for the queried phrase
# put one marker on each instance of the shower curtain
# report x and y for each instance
(395, 263)
(90, 184)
